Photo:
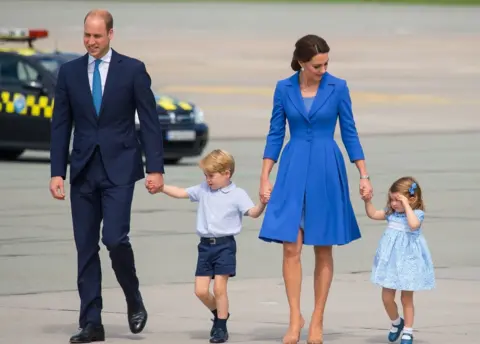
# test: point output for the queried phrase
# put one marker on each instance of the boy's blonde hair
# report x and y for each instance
(408, 187)
(219, 161)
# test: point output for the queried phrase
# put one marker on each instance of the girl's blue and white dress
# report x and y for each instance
(403, 260)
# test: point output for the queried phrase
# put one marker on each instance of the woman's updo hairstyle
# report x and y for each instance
(306, 48)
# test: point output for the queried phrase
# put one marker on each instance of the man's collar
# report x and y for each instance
(106, 58)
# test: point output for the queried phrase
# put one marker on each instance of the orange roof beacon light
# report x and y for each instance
(22, 35)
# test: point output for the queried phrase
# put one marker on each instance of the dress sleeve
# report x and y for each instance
(420, 214)
(348, 128)
(276, 134)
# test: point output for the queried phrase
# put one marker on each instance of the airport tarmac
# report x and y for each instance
(38, 301)
(414, 77)
(410, 69)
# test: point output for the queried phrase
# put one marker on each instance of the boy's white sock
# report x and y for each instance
(407, 331)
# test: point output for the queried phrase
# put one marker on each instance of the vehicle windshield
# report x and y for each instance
(52, 65)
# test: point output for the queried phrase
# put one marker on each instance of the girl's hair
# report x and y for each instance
(408, 187)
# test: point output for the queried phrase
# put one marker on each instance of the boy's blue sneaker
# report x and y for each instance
(407, 338)
(393, 336)
(214, 325)
(219, 336)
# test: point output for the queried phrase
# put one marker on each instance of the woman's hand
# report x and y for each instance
(366, 189)
(265, 190)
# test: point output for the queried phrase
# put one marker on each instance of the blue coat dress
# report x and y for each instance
(311, 187)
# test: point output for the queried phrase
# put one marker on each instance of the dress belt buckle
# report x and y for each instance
(212, 241)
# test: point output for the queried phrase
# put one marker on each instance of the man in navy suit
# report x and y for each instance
(97, 95)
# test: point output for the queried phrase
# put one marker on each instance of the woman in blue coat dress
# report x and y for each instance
(310, 203)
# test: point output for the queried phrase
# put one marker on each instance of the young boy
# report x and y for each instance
(219, 218)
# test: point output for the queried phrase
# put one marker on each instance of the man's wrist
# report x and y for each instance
(364, 176)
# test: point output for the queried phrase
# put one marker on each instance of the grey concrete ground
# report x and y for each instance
(410, 71)
(38, 300)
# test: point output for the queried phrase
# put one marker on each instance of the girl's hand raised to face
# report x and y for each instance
(402, 199)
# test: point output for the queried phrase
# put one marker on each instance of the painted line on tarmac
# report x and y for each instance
(401, 133)
(369, 97)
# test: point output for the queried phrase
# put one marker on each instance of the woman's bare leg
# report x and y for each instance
(292, 275)
(322, 280)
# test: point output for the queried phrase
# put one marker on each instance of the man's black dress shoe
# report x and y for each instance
(91, 333)
(137, 319)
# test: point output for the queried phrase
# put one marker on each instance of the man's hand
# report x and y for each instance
(154, 182)
(56, 188)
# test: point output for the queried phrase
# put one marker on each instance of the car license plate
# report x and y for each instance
(181, 135)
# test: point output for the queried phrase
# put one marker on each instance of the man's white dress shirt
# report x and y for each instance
(103, 68)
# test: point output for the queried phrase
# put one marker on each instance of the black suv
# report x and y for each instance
(27, 88)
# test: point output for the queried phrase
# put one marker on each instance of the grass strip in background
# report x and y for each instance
(400, 2)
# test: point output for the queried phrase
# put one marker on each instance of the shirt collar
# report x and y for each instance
(228, 188)
(106, 58)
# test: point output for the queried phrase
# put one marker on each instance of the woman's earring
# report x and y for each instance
(302, 69)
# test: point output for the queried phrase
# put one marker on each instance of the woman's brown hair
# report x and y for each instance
(306, 48)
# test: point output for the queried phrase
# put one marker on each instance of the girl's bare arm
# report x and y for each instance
(373, 213)
(412, 219)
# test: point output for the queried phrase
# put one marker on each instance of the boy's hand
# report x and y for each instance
(151, 186)
(154, 182)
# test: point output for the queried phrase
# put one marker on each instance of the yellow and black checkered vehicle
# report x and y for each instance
(27, 88)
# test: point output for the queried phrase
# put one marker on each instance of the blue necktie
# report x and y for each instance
(97, 87)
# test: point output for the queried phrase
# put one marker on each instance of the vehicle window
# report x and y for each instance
(14, 71)
(50, 64)
(8, 69)
(31, 74)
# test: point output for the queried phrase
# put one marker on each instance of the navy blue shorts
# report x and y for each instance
(217, 256)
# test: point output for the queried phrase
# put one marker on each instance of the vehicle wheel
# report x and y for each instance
(10, 154)
(172, 161)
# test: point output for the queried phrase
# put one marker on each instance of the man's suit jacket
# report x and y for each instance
(127, 88)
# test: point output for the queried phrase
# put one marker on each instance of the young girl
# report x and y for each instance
(402, 261)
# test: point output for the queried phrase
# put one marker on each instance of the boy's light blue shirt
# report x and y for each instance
(219, 211)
